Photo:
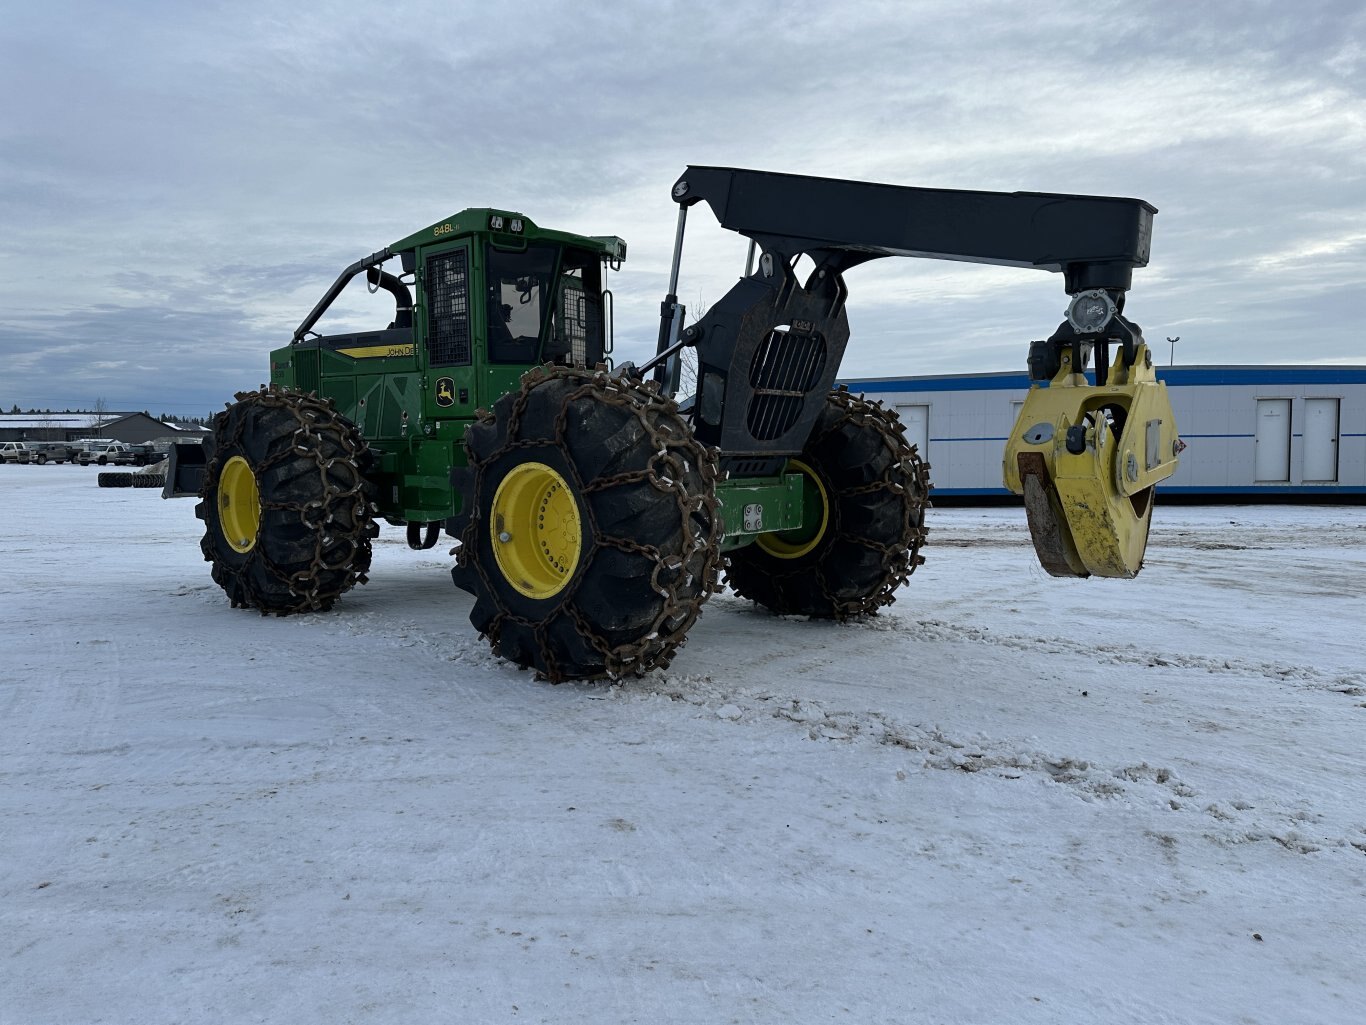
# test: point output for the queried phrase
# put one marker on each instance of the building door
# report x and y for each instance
(1273, 441)
(917, 422)
(1321, 440)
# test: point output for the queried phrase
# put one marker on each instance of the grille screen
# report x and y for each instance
(448, 309)
(576, 323)
(579, 327)
(786, 367)
(305, 368)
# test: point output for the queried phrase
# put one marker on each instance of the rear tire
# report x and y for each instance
(873, 488)
(589, 530)
(285, 504)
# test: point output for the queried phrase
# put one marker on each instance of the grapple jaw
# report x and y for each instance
(1087, 458)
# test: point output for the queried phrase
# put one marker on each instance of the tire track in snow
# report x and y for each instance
(1352, 684)
(1225, 821)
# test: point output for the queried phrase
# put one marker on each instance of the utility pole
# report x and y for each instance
(1173, 341)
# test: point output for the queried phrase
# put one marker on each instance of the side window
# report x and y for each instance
(578, 336)
(448, 309)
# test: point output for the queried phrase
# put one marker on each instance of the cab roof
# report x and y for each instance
(508, 225)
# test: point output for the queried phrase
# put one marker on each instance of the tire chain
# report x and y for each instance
(309, 410)
(903, 555)
(653, 651)
(914, 533)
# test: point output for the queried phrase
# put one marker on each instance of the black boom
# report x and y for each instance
(770, 349)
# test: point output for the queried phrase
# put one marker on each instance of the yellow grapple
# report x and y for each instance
(1087, 458)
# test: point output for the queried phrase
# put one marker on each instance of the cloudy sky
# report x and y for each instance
(179, 183)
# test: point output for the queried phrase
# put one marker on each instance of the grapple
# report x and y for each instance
(1087, 457)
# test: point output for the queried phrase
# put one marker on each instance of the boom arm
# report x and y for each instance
(770, 349)
(1096, 241)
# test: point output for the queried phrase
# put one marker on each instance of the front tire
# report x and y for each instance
(287, 518)
(589, 531)
(868, 487)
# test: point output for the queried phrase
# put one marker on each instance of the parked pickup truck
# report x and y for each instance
(50, 452)
(117, 453)
(14, 452)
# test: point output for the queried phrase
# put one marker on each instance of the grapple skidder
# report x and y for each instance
(594, 509)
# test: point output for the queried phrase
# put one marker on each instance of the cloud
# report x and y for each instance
(187, 181)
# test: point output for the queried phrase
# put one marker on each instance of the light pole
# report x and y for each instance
(1173, 341)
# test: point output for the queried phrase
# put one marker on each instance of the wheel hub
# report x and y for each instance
(535, 530)
(793, 544)
(239, 505)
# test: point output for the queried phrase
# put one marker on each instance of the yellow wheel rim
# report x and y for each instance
(793, 544)
(535, 530)
(239, 505)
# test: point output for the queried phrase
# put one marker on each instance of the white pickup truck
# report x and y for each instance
(14, 452)
(117, 453)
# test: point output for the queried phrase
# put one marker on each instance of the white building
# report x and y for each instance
(1249, 430)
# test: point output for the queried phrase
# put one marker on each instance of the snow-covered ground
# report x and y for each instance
(1009, 798)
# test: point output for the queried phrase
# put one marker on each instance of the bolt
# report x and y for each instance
(504, 536)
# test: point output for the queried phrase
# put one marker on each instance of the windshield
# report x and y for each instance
(518, 301)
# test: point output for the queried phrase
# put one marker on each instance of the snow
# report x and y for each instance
(1008, 798)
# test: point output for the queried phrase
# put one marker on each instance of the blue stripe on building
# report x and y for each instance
(1288, 375)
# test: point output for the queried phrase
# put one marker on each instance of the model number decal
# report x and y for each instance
(443, 229)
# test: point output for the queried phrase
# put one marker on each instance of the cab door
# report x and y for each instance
(447, 276)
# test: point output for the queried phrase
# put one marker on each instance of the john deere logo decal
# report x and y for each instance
(445, 392)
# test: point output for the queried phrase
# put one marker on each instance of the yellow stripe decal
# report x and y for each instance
(372, 351)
